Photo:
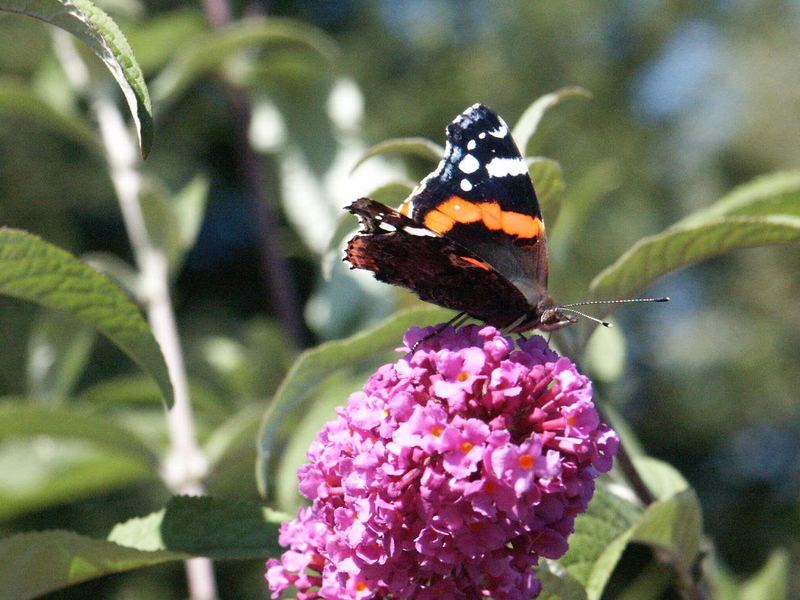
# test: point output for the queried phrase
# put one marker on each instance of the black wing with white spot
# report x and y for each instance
(481, 164)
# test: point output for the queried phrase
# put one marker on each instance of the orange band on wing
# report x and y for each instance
(459, 210)
(521, 226)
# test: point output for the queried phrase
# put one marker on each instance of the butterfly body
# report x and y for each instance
(471, 236)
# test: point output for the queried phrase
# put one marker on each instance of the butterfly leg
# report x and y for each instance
(456, 321)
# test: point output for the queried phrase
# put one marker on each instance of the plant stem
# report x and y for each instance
(186, 466)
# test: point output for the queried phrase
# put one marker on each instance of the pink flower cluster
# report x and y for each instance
(454, 470)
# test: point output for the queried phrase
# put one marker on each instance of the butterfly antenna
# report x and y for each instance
(624, 301)
(584, 315)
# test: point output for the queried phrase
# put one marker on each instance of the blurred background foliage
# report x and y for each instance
(689, 99)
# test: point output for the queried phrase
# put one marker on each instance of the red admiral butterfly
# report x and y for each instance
(471, 236)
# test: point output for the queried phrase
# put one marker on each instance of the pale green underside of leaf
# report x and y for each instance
(34, 270)
(198, 58)
(416, 146)
(98, 31)
(656, 255)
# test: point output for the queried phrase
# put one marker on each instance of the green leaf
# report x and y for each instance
(203, 526)
(661, 478)
(207, 52)
(32, 269)
(680, 246)
(32, 564)
(19, 100)
(306, 378)
(417, 146)
(42, 472)
(548, 179)
(600, 537)
(58, 352)
(189, 206)
(773, 194)
(97, 30)
(771, 581)
(17, 420)
(558, 584)
(173, 222)
(675, 526)
(529, 121)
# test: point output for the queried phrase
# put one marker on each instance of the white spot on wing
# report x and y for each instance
(482, 134)
(466, 185)
(501, 131)
(387, 227)
(469, 164)
(471, 145)
(503, 167)
(420, 231)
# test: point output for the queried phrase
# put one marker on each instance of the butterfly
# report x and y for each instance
(471, 236)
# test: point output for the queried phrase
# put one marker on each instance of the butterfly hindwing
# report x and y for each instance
(438, 270)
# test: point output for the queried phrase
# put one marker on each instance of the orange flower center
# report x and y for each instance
(526, 461)
(466, 447)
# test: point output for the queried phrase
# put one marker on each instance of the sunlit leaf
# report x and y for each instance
(680, 246)
(204, 526)
(771, 581)
(98, 31)
(32, 269)
(600, 537)
(206, 53)
(674, 526)
(303, 383)
(416, 146)
(773, 194)
(35, 563)
(661, 478)
(19, 100)
(548, 180)
(529, 121)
